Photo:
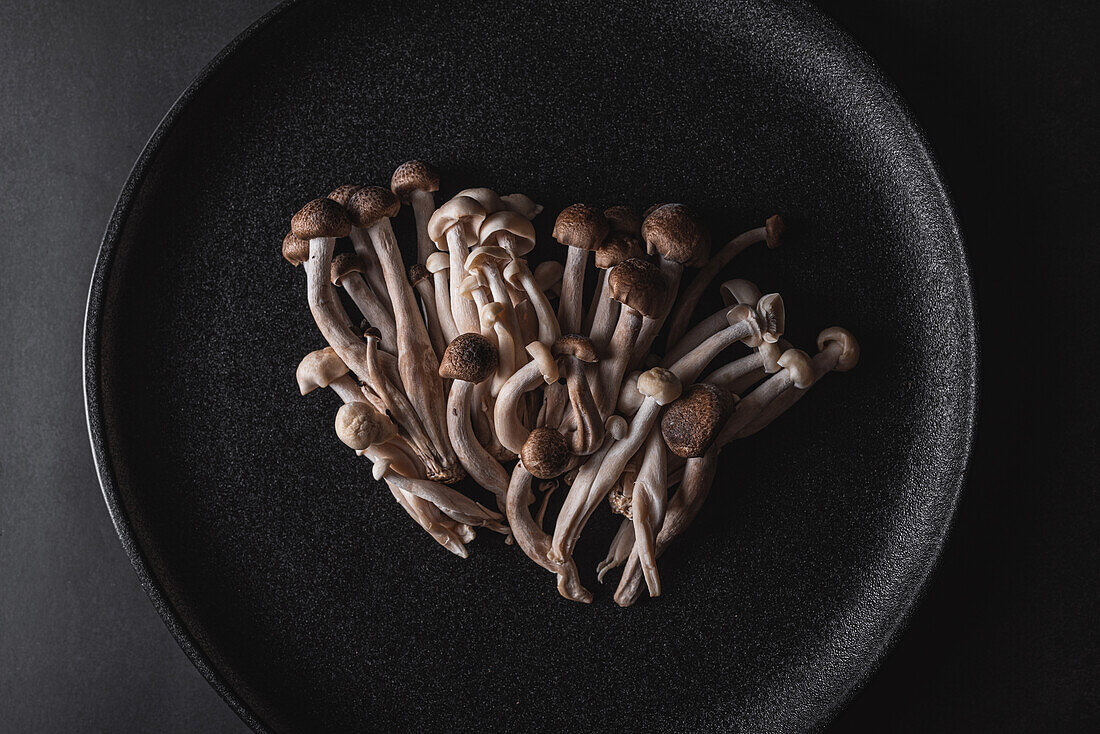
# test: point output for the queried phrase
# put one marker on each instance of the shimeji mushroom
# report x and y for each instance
(679, 239)
(371, 208)
(493, 321)
(358, 426)
(647, 511)
(453, 227)
(772, 232)
(699, 473)
(487, 261)
(347, 272)
(521, 204)
(691, 424)
(363, 248)
(639, 286)
(513, 232)
(581, 228)
(574, 351)
(769, 310)
(519, 275)
(414, 182)
(617, 248)
(421, 281)
(471, 359)
(323, 368)
(548, 275)
(541, 370)
(439, 265)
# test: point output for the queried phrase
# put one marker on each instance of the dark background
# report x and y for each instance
(1004, 639)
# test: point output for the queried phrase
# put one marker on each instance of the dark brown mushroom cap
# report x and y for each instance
(652, 208)
(638, 284)
(417, 273)
(345, 264)
(413, 176)
(341, 194)
(320, 218)
(370, 332)
(692, 422)
(581, 226)
(370, 204)
(574, 345)
(677, 233)
(295, 249)
(618, 246)
(774, 230)
(545, 453)
(624, 219)
(469, 357)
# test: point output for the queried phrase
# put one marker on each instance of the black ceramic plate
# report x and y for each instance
(304, 594)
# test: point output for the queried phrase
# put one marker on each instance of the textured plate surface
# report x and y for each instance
(303, 592)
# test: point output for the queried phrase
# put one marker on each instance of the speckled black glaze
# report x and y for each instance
(302, 591)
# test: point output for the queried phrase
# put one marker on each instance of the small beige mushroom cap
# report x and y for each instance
(522, 204)
(319, 369)
(745, 314)
(469, 357)
(677, 234)
(371, 204)
(660, 384)
(461, 210)
(413, 176)
(618, 247)
(574, 345)
(548, 276)
(486, 197)
(581, 226)
(345, 264)
(342, 193)
(774, 231)
(548, 366)
(295, 249)
(800, 366)
(545, 453)
(360, 426)
(508, 222)
(849, 354)
(625, 219)
(320, 218)
(773, 316)
(438, 262)
(693, 422)
(638, 284)
(479, 257)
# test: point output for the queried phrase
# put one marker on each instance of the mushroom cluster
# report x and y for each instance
(468, 362)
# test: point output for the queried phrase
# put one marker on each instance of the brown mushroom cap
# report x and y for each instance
(652, 208)
(618, 246)
(674, 231)
(341, 194)
(638, 284)
(574, 345)
(369, 204)
(345, 264)
(545, 453)
(581, 226)
(413, 176)
(774, 230)
(418, 272)
(295, 249)
(624, 219)
(469, 357)
(691, 424)
(320, 218)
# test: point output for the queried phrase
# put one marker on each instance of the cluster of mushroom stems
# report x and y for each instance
(471, 362)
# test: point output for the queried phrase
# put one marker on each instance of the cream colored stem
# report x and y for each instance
(463, 309)
(597, 297)
(607, 313)
(374, 311)
(572, 291)
(648, 508)
(751, 405)
(416, 359)
(549, 329)
(613, 366)
(589, 426)
(672, 272)
(423, 206)
(620, 549)
(483, 468)
(734, 375)
(699, 333)
(367, 254)
(689, 299)
(351, 391)
(824, 362)
(510, 429)
(399, 407)
(442, 289)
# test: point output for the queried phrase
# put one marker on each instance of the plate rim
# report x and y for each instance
(97, 431)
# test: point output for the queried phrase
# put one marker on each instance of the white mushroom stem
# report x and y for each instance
(431, 315)
(733, 375)
(373, 309)
(416, 359)
(536, 543)
(493, 319)
(620, 549)
(479, 464)
(351, 391)
(648, 507)
(613, 365)
(423, 206)
(519, 274)
(587, 421)
(542, 369)
(397, 405)
(699, 333)
(597, 297)
(367, 254)
(605, 317)
(439, 265)
(672, 272)
(771, 311)
(464, 312)
(796, 370)
(528, 320)
(450, 502)
(579, 502)
(572, 290)
(689, 298)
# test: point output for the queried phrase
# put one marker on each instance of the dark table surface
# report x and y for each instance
(1004, 639)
